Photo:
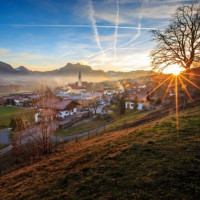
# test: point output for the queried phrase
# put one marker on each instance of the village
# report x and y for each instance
(79, 100)
(81, 103)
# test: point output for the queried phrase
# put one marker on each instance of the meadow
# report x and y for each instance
(152, 161)
(8, 112)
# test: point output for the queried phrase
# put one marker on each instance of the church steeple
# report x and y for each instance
(79, 79)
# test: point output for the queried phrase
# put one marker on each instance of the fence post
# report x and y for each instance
(0, 161)
(88, 135)
(62, 141)
(76, 138)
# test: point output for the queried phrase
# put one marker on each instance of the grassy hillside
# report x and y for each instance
(114, 119)
(6, 113)
(150, 162)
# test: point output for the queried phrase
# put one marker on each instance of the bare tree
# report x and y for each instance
(94, 104)
(179, 43)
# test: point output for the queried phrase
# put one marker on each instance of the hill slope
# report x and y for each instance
(146, 163)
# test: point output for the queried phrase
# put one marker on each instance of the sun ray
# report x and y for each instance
(170, 83)
(176, 100)
(158, 86)
(184, 87)
(193, 74)
(190, 82)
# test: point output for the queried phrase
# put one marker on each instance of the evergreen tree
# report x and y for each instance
(121, 106)
(10, 102)
(135, 103)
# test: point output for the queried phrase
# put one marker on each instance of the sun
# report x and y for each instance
(173, 69)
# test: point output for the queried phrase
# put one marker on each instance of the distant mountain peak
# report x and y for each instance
(6, 68)
(22, 69)
(75, 67)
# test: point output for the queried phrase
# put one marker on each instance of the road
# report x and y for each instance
(36, 132)
(7, 149)
(4, 136)
(55, 138)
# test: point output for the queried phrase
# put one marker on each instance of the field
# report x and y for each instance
(6, 113)
(152, 161)
(89, 125)
(19, 92)
(3, 94)
(93, 123)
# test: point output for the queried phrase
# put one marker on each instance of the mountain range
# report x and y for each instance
(69, 70)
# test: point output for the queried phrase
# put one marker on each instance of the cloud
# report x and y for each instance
(5, 53)
(139, 24)
(155, 11)
(110, 17)
(93, 21)
(126, 59)
(108, 38)
(116, 30)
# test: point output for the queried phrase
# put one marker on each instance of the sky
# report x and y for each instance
(105, 34)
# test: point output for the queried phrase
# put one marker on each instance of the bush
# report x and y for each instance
(17, 124)
(108, 117)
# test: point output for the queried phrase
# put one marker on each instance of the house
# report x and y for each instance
(141, 86)
(130, 98)
(75, 89)
(110, 92)
(14, 99)
(24, 99)
(55, 108)
(2, 101)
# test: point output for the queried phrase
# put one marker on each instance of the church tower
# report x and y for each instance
(79, 79)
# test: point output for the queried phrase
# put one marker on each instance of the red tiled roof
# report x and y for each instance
(54, 103)
(140, 96)
(76, 87)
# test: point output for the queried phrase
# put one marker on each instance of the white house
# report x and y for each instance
(130, 105)
(129, 100)
(110, 92)
(50, 108)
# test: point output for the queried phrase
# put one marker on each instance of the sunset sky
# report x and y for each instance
(105, 34)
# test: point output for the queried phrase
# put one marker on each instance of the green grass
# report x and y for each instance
(3, 94)
(19, 92)
(151, 162)
(94, 123)
(6, 113)
(130, 117)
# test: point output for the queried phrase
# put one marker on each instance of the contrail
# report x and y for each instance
(79, 26)
(139, 25)
(134, 37)
(107, 50)
(92, 19)
(139, 28)
(112, 49)
(116, 31)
